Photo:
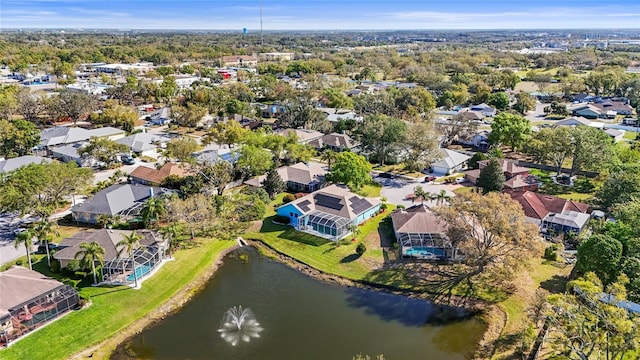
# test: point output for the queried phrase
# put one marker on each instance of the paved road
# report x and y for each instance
(537, 114)
(396, 190)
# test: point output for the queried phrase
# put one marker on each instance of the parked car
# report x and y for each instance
(429, 178)
(42, 249)
(386, 175)
(128, 160)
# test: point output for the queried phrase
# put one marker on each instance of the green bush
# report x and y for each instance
(550, 253)
(384, 206)
(401, 206)
(55, 266)
(361, 249)
(19, 262)
(288, 198)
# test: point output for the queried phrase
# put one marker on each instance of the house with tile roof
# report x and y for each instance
(329, 212)
(124, 200)
(152, 249)
(29, 300)
(550, 212)
(517, 178)
(300, 177)
(421, 233)
(151, 176)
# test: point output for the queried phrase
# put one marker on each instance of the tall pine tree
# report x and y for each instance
(491, 177)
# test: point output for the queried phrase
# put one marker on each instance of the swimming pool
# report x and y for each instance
(141, 271)
(425, 252)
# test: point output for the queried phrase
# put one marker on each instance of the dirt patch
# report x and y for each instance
(104, 349)
(495, 319)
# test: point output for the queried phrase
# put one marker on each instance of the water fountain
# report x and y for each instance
(239, 324)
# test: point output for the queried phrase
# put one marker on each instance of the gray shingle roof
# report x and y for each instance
(15, 163)
(116, 198)
(19, 285)
(107, 238)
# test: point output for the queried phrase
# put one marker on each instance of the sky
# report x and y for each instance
(320, 14)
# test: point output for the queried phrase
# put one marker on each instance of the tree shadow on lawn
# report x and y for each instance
(555, 285)
(349, 258)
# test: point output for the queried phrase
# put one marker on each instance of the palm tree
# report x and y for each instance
(419, 192)
(26, 237)
(170, 232)
(90, 253)
(129, 243)
(43, 229)
(153, 209)
(103, 220)
(355, 230)
(329, 156)
(442, 197)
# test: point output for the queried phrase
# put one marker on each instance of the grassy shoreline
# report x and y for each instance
(121, 305)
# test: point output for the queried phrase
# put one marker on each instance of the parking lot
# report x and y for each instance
(8, 224)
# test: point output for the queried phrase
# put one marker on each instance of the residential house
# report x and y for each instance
(582, 98)
(517, 178)
(152, 176)
(29, 300)
(70, 153)
(421, 233)
(610, 108)
(330, 212)
(550, 212)
(66, 135)
(335, 142)
(578, 121)
(119, 266)
(213, 156)
(616, 135)
(299, 177)
(18, 162)
(123, 200)
(273, 111)
(335, 115)
(450, 162)
(479, 140)
(484, 109)
(144, 144)
(471, 115)
(588, 111)
(303, 136)
(240, 61)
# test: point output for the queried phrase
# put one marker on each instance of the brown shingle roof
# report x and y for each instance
(156, 176)
(507, 166)
(19, 285)
(418, 219)
(107, 238)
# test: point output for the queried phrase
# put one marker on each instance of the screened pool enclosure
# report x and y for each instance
(325, 225)
(426, 246)
(125, 270)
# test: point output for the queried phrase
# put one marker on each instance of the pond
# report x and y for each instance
(300, 318)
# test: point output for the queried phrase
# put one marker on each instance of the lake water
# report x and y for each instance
(302, 318)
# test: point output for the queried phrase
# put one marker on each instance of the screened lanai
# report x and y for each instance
(425, 245)
(34, 313)
(121, 269)
(325, 225)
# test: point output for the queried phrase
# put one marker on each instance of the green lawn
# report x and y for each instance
(114, 308)
(371, 190)
(630, 135)
(322, 254)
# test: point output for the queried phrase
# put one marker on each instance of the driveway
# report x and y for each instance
(537, 114)
(396, 190)
(103, 175)
(8, 223)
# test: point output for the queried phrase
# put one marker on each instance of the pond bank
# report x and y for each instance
(104, 349)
